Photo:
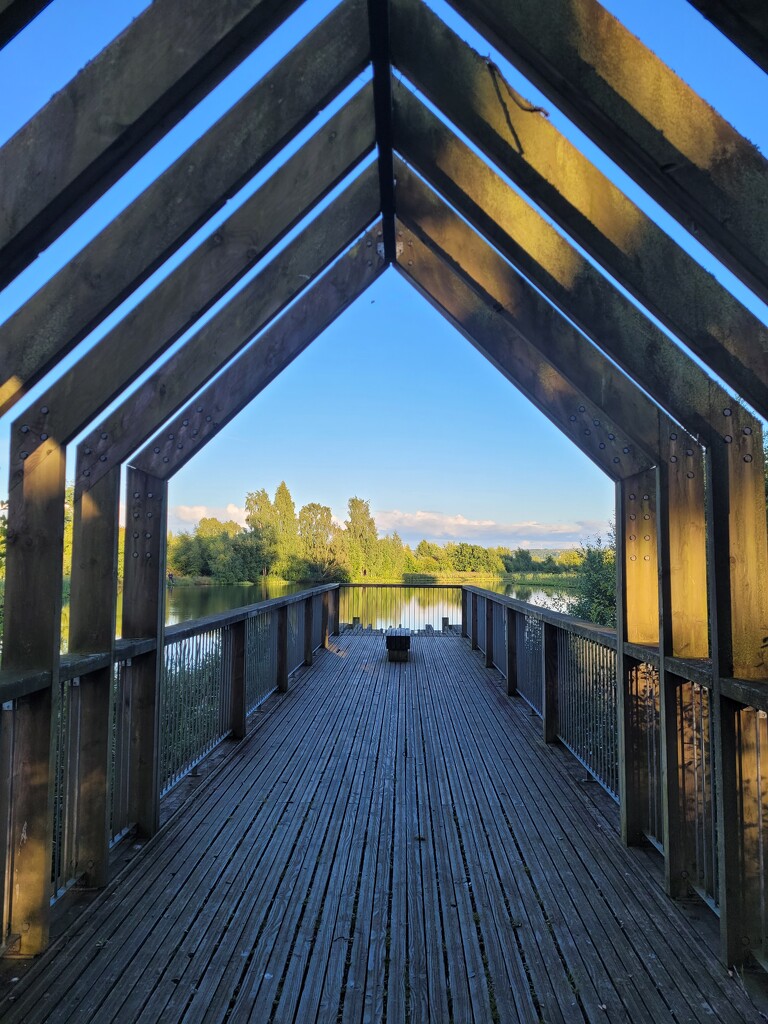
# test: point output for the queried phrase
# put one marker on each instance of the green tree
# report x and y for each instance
(595, 584)
(261, 518)
(287, 531)
(315, 530)
(360, 539)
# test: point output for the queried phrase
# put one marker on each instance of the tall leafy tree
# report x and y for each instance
(315, 527)
(287, 530)
(361, 538)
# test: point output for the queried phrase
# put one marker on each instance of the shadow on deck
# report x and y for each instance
(393, 842)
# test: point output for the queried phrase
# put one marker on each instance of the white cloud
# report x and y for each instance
(186, 517)
(442, 527)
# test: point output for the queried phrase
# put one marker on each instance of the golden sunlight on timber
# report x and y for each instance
(10, 392)
(648, 85)
(557, 161)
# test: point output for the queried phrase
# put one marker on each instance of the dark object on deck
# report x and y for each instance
(398, 644)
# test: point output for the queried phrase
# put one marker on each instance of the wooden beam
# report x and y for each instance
(745, 22)
(176, 381)
(16, 15)
(31, 640)
(526, 312)
(115, 110)
(93, 597)
(568, 280)
(677, 148)
(143, 616)
(173, 207)
(189, 290)
(596, 214)
(637, 613)
(480, 321)
(268, 356)
(378, 27)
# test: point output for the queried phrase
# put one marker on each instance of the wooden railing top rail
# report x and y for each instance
(600, 634)
(14, 684)
(404, 586)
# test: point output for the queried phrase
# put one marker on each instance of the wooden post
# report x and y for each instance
(6, 772)
(143, 616)
(335, 609)
(637, 608)
(683, 634)
(325, 628)
(282, 649)
(549, 668)
(738, 561)
(464, 613)
(237, 674)
(473, 626)
(511, 622)
(32, 640)
(309, 620)
(488, 633)
(92, 629)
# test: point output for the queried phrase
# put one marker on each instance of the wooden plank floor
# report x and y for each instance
(392, 843)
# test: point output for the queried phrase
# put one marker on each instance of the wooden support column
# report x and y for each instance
(237, 655)
(325, 629)
(549, 668)
(683, 634)
(464, 612)
(282, 649)
(309, 620)
(738, 560)
(91, 630)
(31, 640)
(511, 623)
(637, 606)
(488, 633)
(335, 609)
(143, 616)
(473, 623)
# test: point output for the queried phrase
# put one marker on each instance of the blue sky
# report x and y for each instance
(390, 403)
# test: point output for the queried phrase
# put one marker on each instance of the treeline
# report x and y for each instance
(278, 541)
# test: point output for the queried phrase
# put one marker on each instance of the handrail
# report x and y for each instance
(22, 683)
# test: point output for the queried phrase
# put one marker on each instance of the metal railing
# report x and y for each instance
(422, 609)
(213, 673)
(565, 669)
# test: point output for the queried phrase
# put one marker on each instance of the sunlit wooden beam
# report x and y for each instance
(262, 361)
(174, 206)
(80, 394)
(115, 110)
(634, 251)
(143, 412)
(646, 118)
(479, 319)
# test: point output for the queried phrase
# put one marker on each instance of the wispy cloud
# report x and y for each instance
(186, 517)
(441, 527)
(433, 526)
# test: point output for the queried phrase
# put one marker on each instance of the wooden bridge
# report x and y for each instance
(391, 842)
(669, 713)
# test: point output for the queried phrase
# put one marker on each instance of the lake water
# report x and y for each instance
(185, 603)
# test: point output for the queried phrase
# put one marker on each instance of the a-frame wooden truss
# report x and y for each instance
(686, 457)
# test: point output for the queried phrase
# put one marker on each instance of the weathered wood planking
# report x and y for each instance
(484, 322)
(115, 109)
(595, 213)
(389, 838)
(681, 151)
(181, 199)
